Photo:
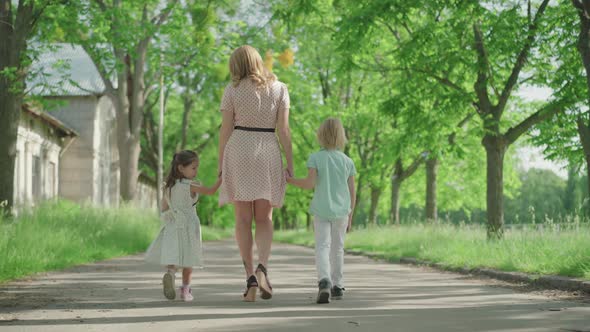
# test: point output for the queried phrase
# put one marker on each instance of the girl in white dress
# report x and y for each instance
(179, 242)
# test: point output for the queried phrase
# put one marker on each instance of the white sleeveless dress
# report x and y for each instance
(179, 240)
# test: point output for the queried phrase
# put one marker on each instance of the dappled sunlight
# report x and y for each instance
(125, 292)
(453, 135)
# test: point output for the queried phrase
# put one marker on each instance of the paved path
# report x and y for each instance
(125, 295)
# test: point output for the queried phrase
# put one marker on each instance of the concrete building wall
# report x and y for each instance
(37, 162)
(77, 163)
(106, 159)
(146, 195)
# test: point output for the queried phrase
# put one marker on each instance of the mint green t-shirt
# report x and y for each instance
(331, 198)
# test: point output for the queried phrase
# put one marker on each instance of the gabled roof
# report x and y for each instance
(63, 129)
(65, 70)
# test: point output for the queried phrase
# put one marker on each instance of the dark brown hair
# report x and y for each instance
(184, 158)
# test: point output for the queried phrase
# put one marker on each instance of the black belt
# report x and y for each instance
(266, 130)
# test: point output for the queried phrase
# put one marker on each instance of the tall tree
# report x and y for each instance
(431, 108)
(117, 35)
(19, 22)
(496, 33)
(563, 138)
(497, 77)
(189, 73)
(583, 46)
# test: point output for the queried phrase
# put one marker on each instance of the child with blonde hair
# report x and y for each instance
(331, 175)
(178, 245)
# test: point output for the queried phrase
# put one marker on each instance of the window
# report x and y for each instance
(51, 185)
(36, 178)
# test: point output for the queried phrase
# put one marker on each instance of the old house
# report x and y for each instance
(88, 167)
(42, 140)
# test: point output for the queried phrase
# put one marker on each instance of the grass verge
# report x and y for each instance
(547, 252)
(58, 235)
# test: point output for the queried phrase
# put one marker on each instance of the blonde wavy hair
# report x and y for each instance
(331, 134)
(246, 62)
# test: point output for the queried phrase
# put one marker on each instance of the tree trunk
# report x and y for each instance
(494, 142)
(495, 149)
(15, 28)
(395, 198)
(375, 194)
(126, 144)
(396, 183)
(400, 175)
(129, 96)
(584, 133)
(9, 117)
(584, 50)
(359, 190)
(276, 222)
(287, 224)
(583, 44)
(187, 103)
(129, 156)
(431, 173)
(129, 101)
(587, 199)
(569, 197)
(129, 167)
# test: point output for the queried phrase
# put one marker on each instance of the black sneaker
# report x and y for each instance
(337, 292)
(324, 291)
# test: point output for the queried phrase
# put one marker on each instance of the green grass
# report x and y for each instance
(563, 252)
(62, 234)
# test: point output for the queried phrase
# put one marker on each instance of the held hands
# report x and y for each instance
(289, 174)
(202, 190)
(216, 185)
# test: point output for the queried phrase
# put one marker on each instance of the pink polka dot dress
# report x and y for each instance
(252, 163)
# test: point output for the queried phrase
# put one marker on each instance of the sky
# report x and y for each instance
(532, 157)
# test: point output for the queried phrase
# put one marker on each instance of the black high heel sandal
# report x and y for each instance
(265, 286)
(251, 287)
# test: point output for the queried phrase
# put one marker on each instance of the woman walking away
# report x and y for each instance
(255, 110)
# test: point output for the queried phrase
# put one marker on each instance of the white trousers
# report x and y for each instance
(329, 248)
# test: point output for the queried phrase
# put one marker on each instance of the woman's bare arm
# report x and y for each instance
(227, 127)
(284, 133)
